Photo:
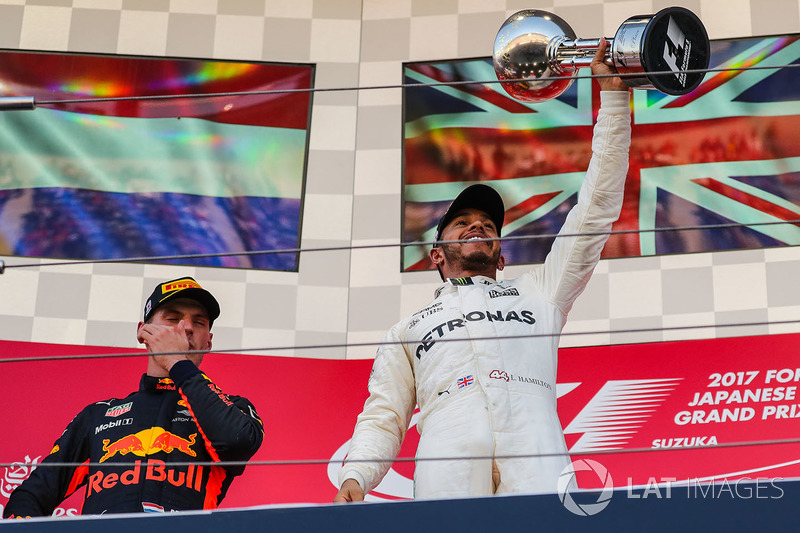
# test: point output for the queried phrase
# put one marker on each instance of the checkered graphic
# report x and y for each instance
(354, 181)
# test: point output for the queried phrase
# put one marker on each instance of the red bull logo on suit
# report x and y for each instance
(155, 470)
(148, 442)
(143, 443)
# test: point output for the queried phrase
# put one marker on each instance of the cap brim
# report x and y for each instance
(201, 296)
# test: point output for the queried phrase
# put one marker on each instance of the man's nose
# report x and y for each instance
(476, 225)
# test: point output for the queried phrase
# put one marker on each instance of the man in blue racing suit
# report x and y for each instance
(492, 393)
(131, 454)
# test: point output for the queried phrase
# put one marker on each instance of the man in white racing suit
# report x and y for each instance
(473, 360)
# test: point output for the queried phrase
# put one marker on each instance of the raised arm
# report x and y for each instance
(571, 261)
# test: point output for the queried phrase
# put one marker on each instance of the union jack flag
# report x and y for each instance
(725, 153)
(463, 382)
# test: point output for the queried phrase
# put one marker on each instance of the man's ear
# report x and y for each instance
(437, 256)
(501, 263)
(208, 344)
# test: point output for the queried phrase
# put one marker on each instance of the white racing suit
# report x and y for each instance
(482, 392)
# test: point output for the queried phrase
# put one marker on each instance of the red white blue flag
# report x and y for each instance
(142, 175)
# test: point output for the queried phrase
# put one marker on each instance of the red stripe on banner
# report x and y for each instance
(523, 208)
(706, 87)
(485, 154)
(61, 76)
(747, 199)
(481, 91)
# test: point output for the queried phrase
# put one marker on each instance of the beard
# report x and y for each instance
(477, 260)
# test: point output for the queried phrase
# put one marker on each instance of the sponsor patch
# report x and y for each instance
(499, 374)
(113, 424)
(425, 311)
(221, 395)
(190, 476)
(179, 285)
(494, 293)
(165, 384)
(461, 281)
(119, 409)
(505, 376)
(429, 339)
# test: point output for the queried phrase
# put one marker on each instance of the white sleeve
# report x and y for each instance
(382, 425)
(571, 260)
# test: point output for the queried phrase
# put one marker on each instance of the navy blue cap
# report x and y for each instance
(181, 288)
(478, 196)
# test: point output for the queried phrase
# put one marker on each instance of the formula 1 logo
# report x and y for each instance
(680, 45)
(615, 413)
(567, 487)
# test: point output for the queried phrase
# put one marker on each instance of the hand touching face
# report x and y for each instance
(177, 326)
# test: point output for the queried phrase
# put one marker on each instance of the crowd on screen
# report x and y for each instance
(88, 224)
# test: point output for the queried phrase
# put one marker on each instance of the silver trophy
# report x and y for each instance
(540, 51)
